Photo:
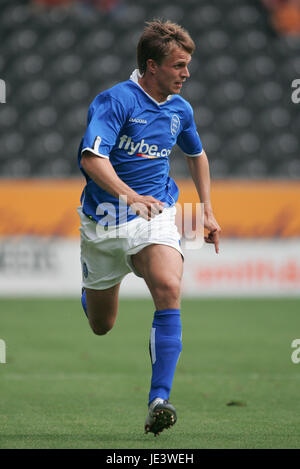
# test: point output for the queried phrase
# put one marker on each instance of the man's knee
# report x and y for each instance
(100, 329)
(167, 289)
(102, 309)
(100, 321)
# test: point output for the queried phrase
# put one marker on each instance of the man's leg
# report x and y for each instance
(161, 267)
(102, 308)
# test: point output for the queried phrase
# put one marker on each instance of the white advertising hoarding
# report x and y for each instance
(36, 266)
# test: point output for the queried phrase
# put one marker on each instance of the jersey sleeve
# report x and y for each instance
(188, 139)
(106, 117)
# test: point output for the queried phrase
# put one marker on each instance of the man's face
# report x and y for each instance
(172, 72)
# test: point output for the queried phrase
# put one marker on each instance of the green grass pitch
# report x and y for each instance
(64, 387)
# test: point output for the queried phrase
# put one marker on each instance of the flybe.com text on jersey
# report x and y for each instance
(141, 148)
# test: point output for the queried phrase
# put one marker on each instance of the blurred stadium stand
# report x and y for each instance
(55, 60)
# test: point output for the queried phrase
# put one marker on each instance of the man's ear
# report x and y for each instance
(151, 66)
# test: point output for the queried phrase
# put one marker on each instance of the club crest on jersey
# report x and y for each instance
(175, 124)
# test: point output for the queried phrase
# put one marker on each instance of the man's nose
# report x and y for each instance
(186, 73)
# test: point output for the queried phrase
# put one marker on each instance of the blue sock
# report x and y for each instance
(165, 347)
(83, 301)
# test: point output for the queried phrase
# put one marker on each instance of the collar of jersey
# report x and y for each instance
(135, 78)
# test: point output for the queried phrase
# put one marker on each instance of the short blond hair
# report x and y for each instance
(158, 39)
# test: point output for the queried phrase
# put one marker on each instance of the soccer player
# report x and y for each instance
(128, 204)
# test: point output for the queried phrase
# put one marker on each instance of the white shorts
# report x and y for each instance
(106, 253)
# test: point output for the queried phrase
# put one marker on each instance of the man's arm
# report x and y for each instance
(199, 169)
(103, 174)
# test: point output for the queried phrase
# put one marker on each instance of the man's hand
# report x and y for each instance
(103, 174)
(213, 228)
(146, 206)
(199, 169)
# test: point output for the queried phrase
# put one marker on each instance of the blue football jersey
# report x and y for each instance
(137, 134)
